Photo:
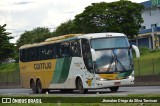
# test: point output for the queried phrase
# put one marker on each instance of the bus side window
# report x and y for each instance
(87, 54)
(29, 54)
(21, 55)
(43, 52)
(57, 47)
(53, 48)
(39, 53)
(75, 49)
(67, 49)
(25, 51)
(34, 54)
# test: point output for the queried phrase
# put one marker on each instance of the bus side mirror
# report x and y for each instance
(93, 52)
(136, 50)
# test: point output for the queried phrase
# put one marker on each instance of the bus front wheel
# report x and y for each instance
(80, 88)
(114, 89)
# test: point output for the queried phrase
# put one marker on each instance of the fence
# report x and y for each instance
(10, 78)
(145, 67)
(146, 70)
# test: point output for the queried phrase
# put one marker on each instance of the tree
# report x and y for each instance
(65, 28)
(6, 48)
(122, 16)
(36, 35)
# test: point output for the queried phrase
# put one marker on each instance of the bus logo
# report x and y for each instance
(38, 66)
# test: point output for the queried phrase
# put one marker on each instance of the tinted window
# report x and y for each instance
(51, 51)
(87, 54)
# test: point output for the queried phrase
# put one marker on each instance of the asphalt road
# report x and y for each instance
(99, 92)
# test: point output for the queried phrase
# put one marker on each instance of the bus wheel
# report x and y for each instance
(80, 88)
(39, 87)
(114, 89)
(33, 86)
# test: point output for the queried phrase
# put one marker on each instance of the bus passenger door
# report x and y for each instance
(87, 58)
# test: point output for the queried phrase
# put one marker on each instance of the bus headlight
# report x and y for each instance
(131, 76)
(101, 79)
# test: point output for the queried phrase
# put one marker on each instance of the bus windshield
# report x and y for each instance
(107, 43)
(112, 55)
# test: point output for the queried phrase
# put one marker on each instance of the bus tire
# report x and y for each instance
(33, 86)
(39, 87)
(114, 89)
(80, 88)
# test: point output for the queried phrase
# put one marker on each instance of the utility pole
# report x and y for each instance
(152, 35)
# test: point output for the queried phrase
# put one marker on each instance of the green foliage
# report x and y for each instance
(6, 48)
(9, 67)
(144, 50)
(122, 16)
(149, 54)
(34, 36)
(148, 63)
(65, 28)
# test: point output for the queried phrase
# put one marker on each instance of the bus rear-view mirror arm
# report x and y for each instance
(93, 52)
(136, 50)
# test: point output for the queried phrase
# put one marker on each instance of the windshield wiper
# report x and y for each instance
(117, 61)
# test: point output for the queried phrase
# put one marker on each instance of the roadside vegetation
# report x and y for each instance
(131, 96)
(146, 53)
(148, 63)
(9, 67)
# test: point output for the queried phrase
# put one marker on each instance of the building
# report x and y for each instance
(149, 34)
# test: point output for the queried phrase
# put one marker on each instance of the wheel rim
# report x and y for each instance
(80, 86)
(33, 87)
(39, 87)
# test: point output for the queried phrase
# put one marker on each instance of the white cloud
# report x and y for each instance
(21, 15)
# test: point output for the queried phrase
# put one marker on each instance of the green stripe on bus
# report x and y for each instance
(124, 74)
(65, 70)
(128, 73)
(61, 70)
(57, 71)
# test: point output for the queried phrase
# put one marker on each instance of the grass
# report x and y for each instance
(9, 72)
(9, 67)
(86, 104)
(151, 54)
(131, 96)
(148, 63)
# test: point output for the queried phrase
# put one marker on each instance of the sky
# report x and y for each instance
(25, 15)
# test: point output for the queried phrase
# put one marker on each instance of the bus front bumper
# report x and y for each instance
(112, 83)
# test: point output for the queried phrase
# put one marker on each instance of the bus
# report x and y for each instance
(78, 62)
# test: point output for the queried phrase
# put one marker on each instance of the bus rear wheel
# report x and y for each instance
(114, 89)
(33, 86)
(80, 88)
(39, 87)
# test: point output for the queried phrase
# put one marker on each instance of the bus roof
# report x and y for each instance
(101, 35)
(72, 36)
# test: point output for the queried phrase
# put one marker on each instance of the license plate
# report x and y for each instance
(117, 83)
